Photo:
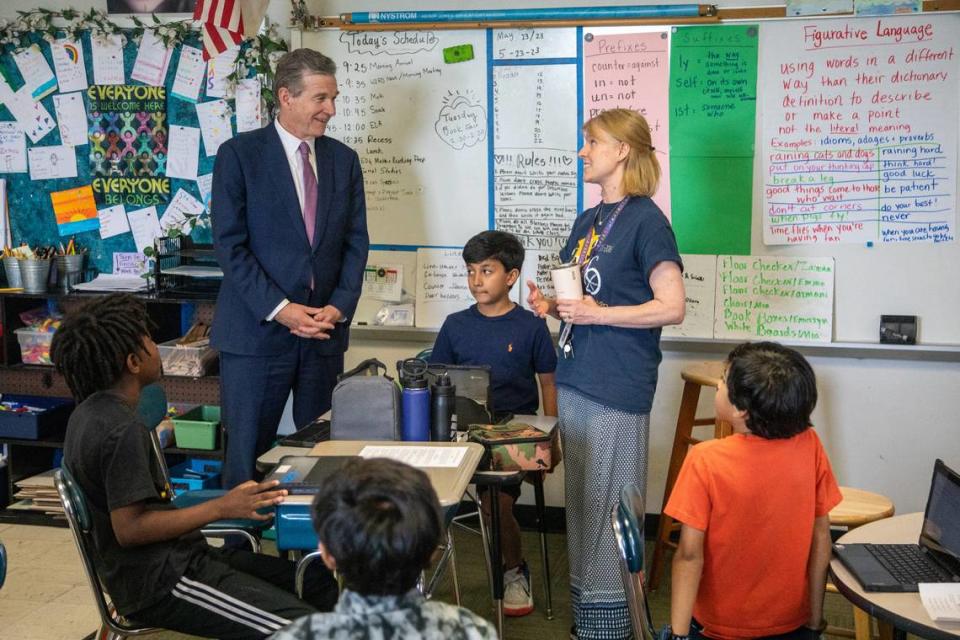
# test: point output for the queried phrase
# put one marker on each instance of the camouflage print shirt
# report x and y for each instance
(358, 617)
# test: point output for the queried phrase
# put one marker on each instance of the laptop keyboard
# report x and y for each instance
(906, 563)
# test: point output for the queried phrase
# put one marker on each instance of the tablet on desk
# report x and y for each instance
(305, 475)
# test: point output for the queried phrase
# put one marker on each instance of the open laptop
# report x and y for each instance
(304, 475)
(936, 558)
(472, 401)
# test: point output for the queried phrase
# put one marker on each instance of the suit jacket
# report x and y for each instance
(261, 244)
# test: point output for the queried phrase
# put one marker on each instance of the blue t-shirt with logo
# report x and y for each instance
(615, 366)
(517, 346)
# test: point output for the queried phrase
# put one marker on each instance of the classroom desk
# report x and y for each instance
(294, 529)
(897, 613)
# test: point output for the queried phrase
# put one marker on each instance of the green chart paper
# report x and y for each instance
(713, 88)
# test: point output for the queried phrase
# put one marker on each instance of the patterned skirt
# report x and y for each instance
(604, 449)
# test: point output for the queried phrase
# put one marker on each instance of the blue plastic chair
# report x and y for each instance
(113, 625)
(3, 564)
(152, 409)
(627, 521)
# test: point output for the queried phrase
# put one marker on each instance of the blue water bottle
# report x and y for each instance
(415, 400)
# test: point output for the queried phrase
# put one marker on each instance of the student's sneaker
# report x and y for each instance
(517, 597)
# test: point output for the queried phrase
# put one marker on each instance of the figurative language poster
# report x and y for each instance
(128, 145)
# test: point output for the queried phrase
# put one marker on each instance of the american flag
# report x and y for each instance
(223, 21)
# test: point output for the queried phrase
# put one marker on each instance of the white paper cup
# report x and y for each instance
(567, 282)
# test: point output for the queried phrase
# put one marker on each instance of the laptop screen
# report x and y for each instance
(941, 522)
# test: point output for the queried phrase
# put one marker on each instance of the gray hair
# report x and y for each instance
(296, 64)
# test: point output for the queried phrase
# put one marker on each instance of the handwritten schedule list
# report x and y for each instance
(857, 145)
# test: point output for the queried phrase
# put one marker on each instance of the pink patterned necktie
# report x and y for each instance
(309, 192)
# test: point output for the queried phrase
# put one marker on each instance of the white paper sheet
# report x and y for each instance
(183, 152)
(941, 600)
(418, 456)
(4, 218)
(699, 284)
(37, 74)
(175, 215)
(113, 221)
(153, 59)
(55, 161)
(190, 74)
(113, 282)
(13, 148)
(107, 52)
(145, 226)
(441, 286)
(249, 115)
(214, 119)
(31, 115)
(218, 68)
(205, 184)
(72, 117)
(69, 64)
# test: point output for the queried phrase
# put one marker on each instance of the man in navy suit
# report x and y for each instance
(290, 232)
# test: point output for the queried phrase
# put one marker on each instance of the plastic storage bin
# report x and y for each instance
(186, 360)
(34, 346)
(197, 428)
(195, 474)
(34, 417)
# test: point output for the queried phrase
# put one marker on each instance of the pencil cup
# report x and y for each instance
(34, 274)
(12, 267)
(69, 271)
(566, 282)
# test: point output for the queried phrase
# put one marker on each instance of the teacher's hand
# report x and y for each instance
(537, 302)
(583, 311)
(303, 321)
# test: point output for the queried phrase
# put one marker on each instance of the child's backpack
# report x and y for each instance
(517, 446)
(366, 404)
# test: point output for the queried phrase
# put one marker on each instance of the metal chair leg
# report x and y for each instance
(453, 567)
(497, 603)
(302, 570)
(542, 527)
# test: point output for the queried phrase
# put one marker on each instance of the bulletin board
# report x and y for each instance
(131, 108)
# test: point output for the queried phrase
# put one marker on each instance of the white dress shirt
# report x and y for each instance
(291, 149)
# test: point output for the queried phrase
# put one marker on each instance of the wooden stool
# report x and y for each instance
(704, 374)
(857, 508)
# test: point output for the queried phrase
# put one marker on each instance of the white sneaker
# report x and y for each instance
(517, 596)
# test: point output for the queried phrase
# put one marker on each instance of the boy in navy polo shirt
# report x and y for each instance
(518, 348)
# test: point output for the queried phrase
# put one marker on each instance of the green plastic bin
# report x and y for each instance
(197, 428)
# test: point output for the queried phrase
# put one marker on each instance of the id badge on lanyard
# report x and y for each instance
(588, 246)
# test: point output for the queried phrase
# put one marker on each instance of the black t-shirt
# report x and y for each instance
(108, 451)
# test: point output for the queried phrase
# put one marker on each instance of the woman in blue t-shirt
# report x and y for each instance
(633, 285)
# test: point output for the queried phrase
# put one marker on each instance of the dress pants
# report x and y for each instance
(253, 393)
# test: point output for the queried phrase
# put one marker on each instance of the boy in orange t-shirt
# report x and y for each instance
(755, 541)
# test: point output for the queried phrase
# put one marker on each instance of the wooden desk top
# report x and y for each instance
(903, 610)
(449, 482)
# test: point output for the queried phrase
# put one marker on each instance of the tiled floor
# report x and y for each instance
(46, 596)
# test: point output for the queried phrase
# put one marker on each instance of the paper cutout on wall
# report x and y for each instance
(75, 210)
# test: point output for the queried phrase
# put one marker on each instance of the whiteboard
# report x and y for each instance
(420, 128)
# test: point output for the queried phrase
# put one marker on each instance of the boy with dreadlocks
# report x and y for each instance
(151, 556)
